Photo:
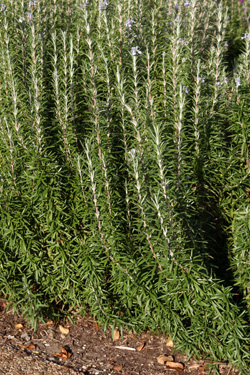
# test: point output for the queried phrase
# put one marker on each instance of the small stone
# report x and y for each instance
(9, 337)
(25, 336)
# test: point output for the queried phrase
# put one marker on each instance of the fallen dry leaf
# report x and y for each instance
(30, 347)
(116, 335)
(49, 323)
(61, 355)
(169, 342)
(162, 359)
(3, 304)
(63, 330)
(202, 369)
(64, 353)
(63, 350)
(18, 326)
(139, 348)
(175, 366)
(117, 368)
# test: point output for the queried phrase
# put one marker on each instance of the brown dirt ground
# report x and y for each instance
(86, 349)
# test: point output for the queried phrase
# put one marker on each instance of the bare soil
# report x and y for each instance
(87, 349)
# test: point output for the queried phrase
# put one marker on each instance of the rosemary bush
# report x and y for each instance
(124, 163)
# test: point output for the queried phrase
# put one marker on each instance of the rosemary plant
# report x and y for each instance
(124, 158)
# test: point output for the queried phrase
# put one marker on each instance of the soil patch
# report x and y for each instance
(87, 349)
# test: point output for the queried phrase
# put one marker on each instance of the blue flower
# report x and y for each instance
(246, 36)
(129, 23)
(135, 50)
(2, 7)
(131, 154)
(32, 3)
(202, 78)
(103, 5)
(184, 42)
(29, 16)
(237, 81)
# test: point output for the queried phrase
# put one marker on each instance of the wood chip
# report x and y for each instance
(162, 359)
(116, 335)
(64, 330)
(175, 366)
(169, 342)
(194, 366)
(19, 326)
(139, 348)
(117, 368)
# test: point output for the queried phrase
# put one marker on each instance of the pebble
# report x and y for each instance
(25, 336)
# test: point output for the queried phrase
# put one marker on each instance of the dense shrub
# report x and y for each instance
(125, 164)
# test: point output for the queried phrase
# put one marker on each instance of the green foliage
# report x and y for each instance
(124, 156)
(240, 251)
